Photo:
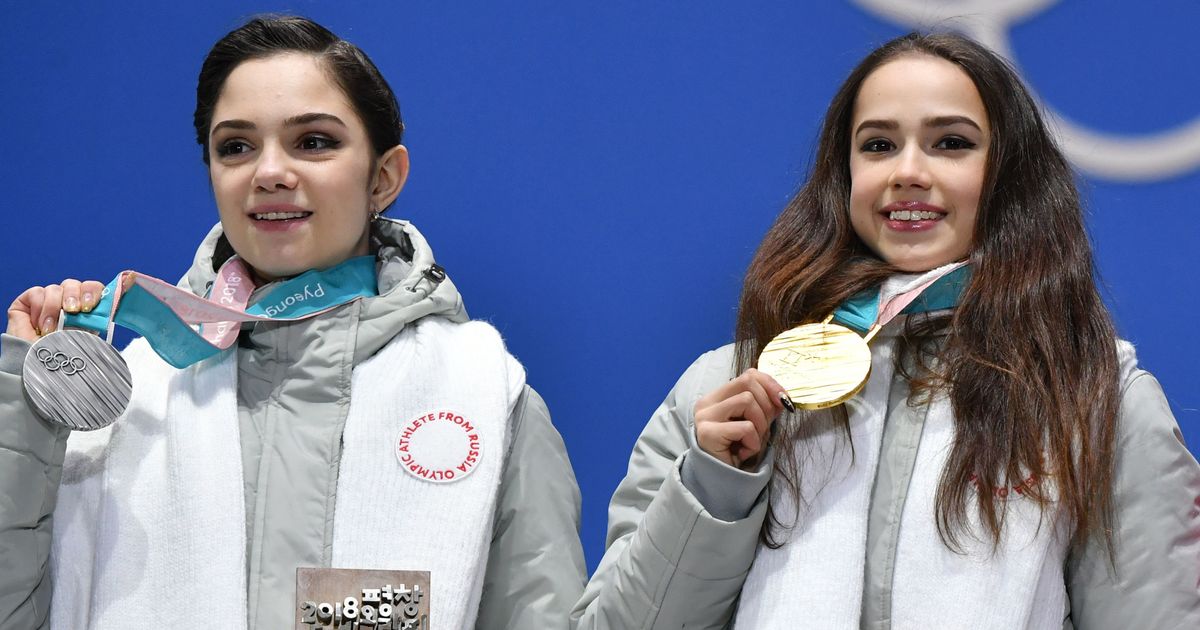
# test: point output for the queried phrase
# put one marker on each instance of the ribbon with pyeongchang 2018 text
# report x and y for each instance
(184, 328)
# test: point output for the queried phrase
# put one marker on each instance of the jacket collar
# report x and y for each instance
(411, 285)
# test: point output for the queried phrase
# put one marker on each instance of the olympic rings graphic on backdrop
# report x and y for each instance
(1119, 157)
(55, 361)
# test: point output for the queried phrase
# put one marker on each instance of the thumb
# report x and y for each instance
(20, 322)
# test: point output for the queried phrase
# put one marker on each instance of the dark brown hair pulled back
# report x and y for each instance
(349, 67)
(1028, 357)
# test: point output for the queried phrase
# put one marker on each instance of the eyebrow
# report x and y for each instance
(302, 119)
(936, 121)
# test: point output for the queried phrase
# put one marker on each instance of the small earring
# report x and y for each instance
(374, 215)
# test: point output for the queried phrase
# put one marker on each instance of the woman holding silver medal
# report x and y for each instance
(926, 419)
(329, 436)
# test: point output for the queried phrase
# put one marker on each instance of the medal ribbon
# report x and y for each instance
(940, 290)
(184, 328)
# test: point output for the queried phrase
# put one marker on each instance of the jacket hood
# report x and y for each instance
(411, 285)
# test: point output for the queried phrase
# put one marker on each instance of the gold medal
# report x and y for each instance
(826, 364)
(820, 365)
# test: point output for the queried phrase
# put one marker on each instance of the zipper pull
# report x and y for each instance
(435, 273)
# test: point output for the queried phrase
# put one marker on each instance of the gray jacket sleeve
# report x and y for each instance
(31, 458)
(1153, 581)
(669, 562)
(535, 569)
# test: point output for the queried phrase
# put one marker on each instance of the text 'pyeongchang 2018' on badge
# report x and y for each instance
(299, 297)
(440, 446)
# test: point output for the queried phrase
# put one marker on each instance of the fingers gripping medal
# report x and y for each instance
(825, 364)
(76, 379)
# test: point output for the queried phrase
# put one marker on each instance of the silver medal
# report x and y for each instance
(77, 380)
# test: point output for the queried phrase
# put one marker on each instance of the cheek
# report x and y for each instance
(862, 216)
(966, 196)
(967, 205)
(971, 187)
(227, 190)
(345, 184)
(224, 203)
(864, 195)
(867, 180)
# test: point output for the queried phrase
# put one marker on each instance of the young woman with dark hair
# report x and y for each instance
(326, 441)
(1006, 465)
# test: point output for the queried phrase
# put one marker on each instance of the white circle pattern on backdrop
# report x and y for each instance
(1112, 156)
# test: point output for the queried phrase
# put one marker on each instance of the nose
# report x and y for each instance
(274, 171)
(911, 169)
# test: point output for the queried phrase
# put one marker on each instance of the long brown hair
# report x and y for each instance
(1028, 358)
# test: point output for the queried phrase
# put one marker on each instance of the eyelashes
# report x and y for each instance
(318, 142)
(232, 147)
(947, 143)
(312, 143)
(877, 145)
(954, 143)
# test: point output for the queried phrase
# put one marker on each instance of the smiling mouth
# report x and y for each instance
(914, 215)
(279, 216)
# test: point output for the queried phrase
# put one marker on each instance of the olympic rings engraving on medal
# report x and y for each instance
(55, 361)
(76, 380)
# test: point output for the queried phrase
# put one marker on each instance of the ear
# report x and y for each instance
(389, 176)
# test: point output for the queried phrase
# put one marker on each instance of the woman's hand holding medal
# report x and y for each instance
(733, 422)
(72, 378)
(35, 312)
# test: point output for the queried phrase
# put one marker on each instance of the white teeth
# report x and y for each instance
(912, 215)
(279, 216)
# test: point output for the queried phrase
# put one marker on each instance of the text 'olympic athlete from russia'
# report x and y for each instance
(226, 476)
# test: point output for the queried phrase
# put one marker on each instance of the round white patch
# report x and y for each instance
(441, 446)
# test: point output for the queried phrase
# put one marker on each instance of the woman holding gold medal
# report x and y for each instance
(926, 419)
(359, 420)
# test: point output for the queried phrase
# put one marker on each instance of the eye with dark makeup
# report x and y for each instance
(315, 142)
(232, 147)
(954, 143)
(877, 145)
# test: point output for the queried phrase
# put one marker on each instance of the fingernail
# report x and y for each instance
(89, 301)
(48, 325)
(71, 305)
(787, 402)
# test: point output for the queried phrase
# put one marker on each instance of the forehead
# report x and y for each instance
(280, 86)
(918, 86)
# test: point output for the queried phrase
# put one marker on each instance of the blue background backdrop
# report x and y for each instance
(594, 178)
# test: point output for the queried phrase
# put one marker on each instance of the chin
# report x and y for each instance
(275, 270)
(910, 263)
(911, 266)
